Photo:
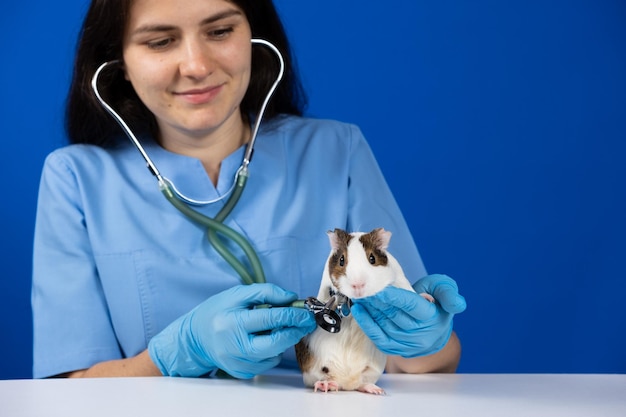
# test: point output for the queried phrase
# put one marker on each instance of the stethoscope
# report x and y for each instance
(329, 314)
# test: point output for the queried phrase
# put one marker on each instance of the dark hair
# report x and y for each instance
(100, 41)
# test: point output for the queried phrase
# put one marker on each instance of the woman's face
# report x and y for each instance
(189, 62)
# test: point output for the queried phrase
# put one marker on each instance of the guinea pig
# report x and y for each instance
(358, 266)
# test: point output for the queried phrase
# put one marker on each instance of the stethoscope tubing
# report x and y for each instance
(215, 226)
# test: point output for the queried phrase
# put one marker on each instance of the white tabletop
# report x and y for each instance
(284, 395)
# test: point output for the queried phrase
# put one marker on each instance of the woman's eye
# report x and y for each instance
(220, 33)
(159, 44)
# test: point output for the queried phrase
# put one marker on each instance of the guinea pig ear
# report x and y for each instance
(382, 238)
(333, 239)
(338, 238)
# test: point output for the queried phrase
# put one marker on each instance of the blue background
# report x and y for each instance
(501, 128)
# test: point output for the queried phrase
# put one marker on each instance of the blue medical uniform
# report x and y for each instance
(115, 262)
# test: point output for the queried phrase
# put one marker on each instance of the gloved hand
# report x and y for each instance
(225, 332)
(403, 323)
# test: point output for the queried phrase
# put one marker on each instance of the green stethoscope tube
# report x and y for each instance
(215, 226)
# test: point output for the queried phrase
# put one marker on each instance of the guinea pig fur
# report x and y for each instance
(358, 266)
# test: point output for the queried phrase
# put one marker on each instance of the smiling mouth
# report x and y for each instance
(200, 96)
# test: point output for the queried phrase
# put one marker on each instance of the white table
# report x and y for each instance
(284, 395)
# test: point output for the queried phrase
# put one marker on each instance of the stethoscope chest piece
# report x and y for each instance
(328, 320)
(328, 315)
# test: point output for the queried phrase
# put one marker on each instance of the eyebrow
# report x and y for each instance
(149, 28)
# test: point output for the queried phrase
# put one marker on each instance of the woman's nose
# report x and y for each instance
(196, 60)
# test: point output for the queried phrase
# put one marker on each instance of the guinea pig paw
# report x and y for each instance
(428, 297)
(371, 389)
(326, 386)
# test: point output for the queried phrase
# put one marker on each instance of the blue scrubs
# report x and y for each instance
(115, 262)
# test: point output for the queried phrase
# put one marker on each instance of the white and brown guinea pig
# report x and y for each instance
(358, 266)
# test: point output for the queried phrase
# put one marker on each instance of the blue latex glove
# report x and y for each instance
(403, 323)
(225, 332)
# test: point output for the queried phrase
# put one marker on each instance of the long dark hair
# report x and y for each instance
(100, 41)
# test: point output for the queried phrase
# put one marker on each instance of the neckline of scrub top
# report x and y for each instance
(188, 174)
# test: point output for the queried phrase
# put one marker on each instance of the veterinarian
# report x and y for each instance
(125, 284)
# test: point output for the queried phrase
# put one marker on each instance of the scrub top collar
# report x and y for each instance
(188, 174)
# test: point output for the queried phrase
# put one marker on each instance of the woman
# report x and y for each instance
(123, 284)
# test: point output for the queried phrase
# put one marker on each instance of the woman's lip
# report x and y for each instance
(200, 95)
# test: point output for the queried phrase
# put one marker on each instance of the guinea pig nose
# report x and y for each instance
(358, 285)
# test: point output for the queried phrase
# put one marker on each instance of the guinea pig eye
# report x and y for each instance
(342, 261)
(372, 259)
